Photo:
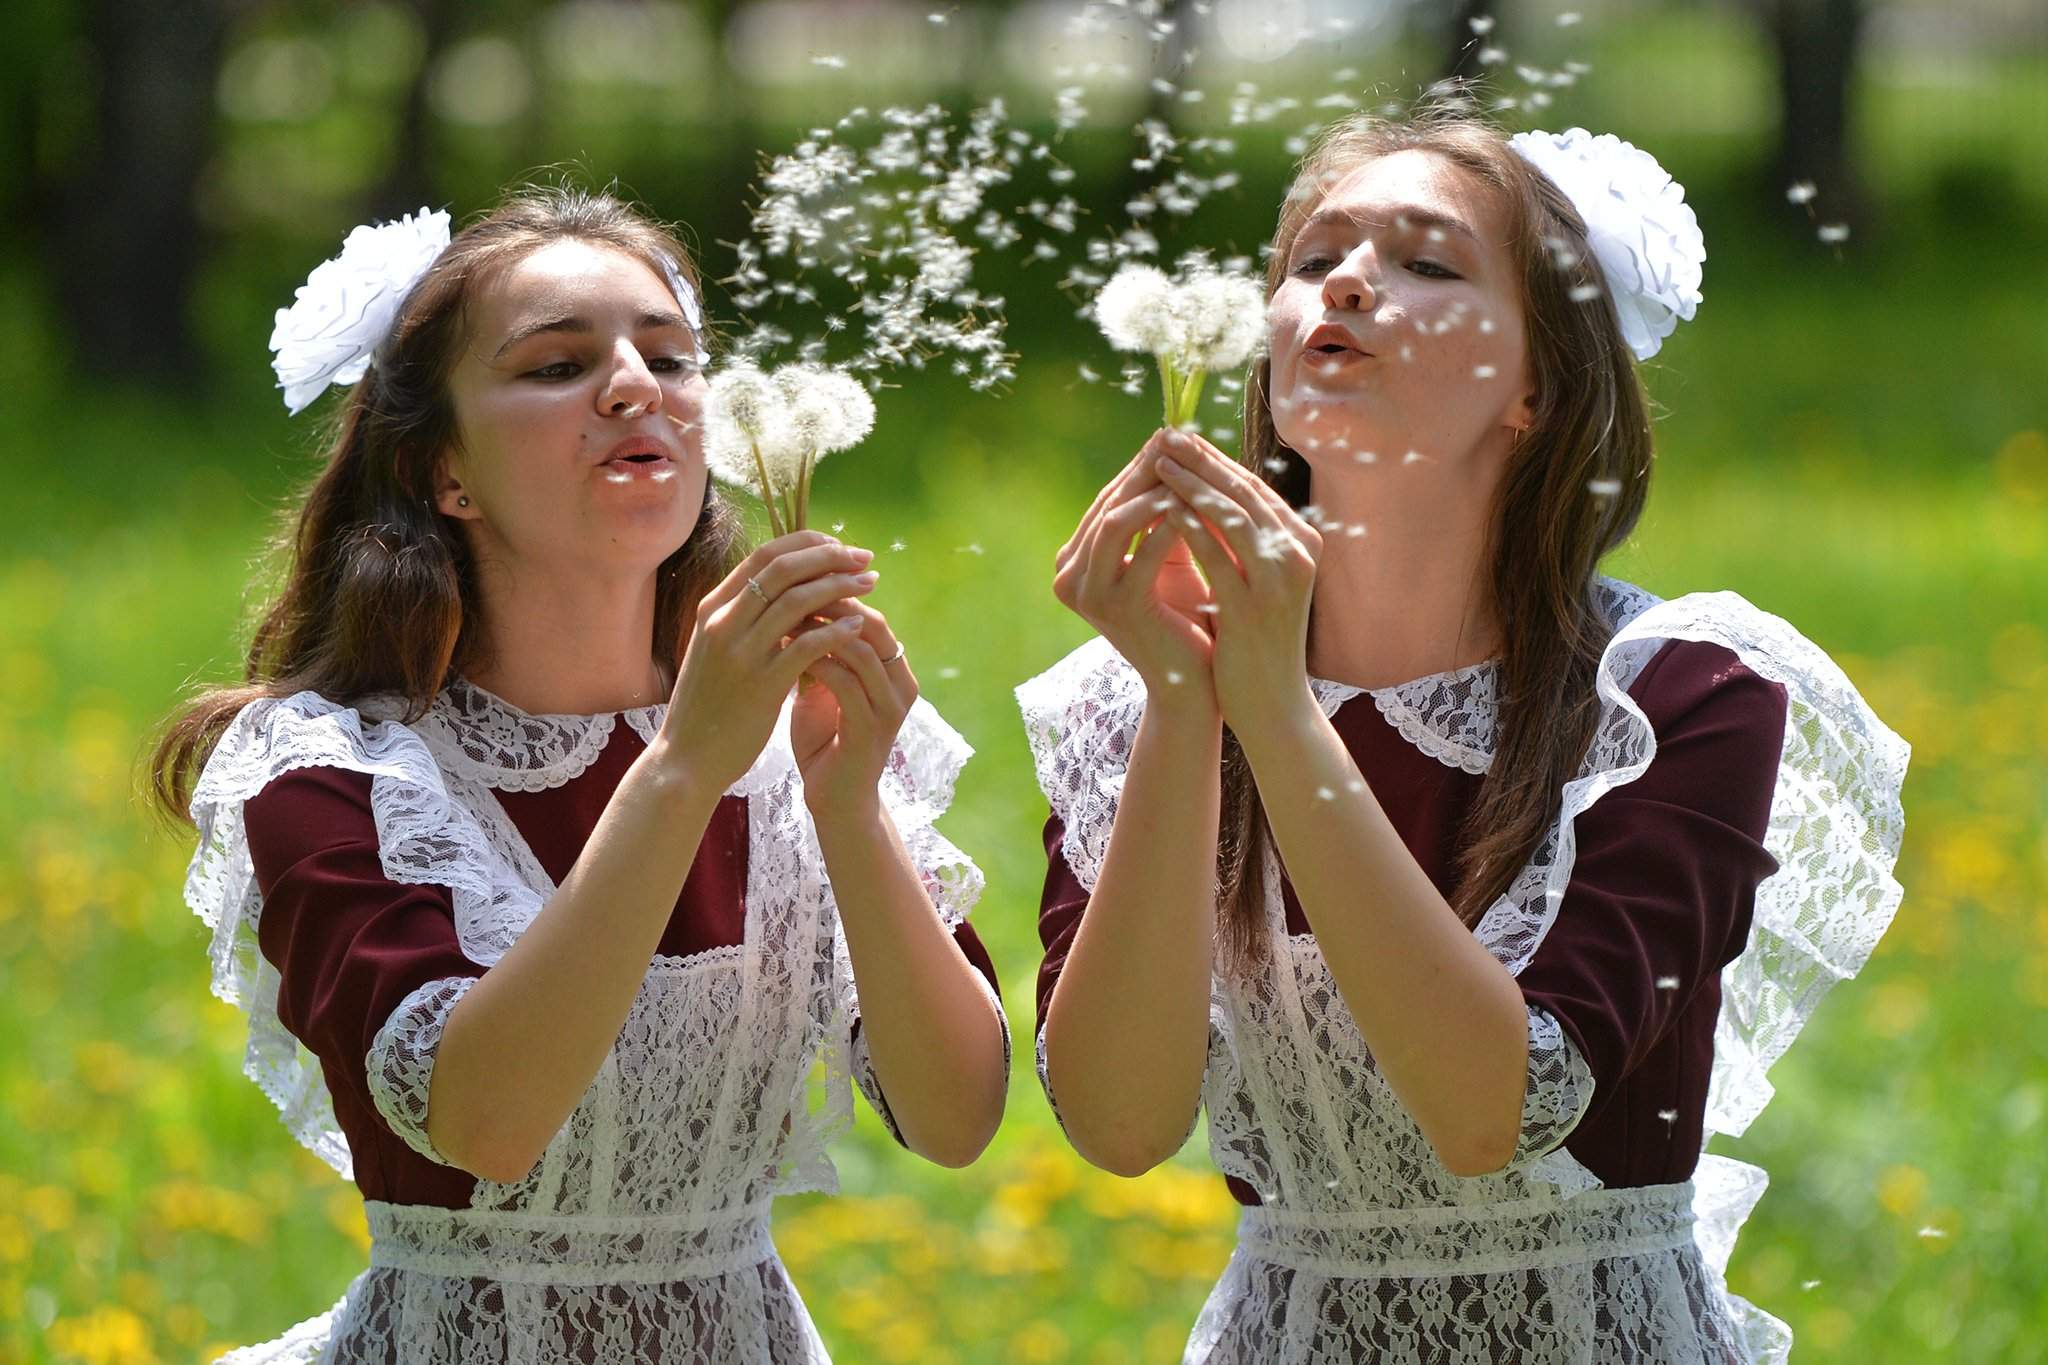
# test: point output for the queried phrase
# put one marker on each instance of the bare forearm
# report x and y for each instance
(1126, 1032)
(523, 1045)
(1445, 1021)
(932, 1031)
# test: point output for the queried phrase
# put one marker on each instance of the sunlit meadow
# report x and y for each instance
(1877, 475)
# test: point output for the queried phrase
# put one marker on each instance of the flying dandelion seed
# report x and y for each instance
(1413, 457)
(973, 549)
(1585, 293)
(1484, 372)
(1670, 1116)
(948, 673)
(1933, 1233)
(1607, 488)
(1809, 1285)
(898, 545)
(1568, 18)
(1800, 192)
(1833, 233)
(1325, 794)
(1667, 983)
(1173, 678)
(1482, 23)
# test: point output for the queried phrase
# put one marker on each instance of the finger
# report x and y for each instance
(735, 582)
(792, 567)
(1226, 578)
(1251, 540)
(809, 598)
(804, 650)
(1109, 549)
(1258, 498)
(875, 684)
(1135, 476)
(856, 707)
(1143, 565)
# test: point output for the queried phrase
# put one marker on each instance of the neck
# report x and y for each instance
(566, 644)
(1413, 595)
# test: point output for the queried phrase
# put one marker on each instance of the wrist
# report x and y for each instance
(675, 778)
(1281, 734)
(844, 824)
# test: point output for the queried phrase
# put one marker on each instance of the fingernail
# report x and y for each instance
(861, 554)
(868, 579)
(849, 624)
(1167, 465)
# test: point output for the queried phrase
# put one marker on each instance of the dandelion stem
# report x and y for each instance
(768, 494)
(1169, 385)
(1190, 397)
(803, 491)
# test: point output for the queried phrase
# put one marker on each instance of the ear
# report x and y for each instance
(1521, 414)
(451, 499)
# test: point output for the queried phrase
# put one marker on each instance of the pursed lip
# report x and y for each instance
(647, 449)
(1330, 334)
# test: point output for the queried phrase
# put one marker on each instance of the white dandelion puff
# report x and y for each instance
(1833, 233)
(1800, 192)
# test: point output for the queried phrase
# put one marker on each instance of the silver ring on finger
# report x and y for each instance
(754, 587)
(897, 655)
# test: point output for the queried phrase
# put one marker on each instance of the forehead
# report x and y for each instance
(1416, 179)
(570, 277)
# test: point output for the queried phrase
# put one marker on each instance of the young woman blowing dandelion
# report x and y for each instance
(1525, 875)
(541, 893)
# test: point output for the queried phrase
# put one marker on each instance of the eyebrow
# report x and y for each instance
(1413, 215)
(582, 326)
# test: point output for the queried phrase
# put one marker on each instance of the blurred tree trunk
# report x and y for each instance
(412, 177)
(1816, 42)
(125, 239)
(1461, 44)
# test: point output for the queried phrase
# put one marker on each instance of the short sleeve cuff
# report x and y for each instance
(400, 1064)
(1560, 1089)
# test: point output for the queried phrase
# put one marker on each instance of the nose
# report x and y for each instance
(1348, 287)
(632, 388)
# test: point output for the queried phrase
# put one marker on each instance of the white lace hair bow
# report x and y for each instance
(346, 307)
(1642, 231)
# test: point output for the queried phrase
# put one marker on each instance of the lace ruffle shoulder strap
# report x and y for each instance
(266, 740)
(1081, 717)
(1835, 829)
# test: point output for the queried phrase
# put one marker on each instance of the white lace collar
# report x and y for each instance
(482, 736)
(1447, 715)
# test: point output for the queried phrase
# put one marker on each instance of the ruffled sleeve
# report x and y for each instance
(368, 968)
(266, 740)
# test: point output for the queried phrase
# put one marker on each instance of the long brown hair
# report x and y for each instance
(379, 589)
(1591, 426)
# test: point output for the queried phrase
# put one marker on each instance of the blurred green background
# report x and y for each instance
(1855, 436)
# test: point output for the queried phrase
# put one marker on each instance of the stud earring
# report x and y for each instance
(462, 500)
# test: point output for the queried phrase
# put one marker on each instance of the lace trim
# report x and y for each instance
(519, 1248)
(400, 1064)
(1560, 1089)
(483, 737)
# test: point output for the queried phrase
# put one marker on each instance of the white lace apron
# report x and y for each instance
(642, 1234)
(1365, 1247)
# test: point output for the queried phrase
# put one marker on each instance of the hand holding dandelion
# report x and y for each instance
(1204, 320)
(766, 432)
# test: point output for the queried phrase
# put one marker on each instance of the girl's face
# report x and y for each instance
(1397, 328)
(577, 407)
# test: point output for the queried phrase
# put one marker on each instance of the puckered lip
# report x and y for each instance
(640, 449)
(1331, 335)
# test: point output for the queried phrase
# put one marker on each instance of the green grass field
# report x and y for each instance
(1867, 459)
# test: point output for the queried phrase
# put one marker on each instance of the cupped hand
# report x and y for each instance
(1150, 602)
(1260, 557)
(749, 645)
(848, 712)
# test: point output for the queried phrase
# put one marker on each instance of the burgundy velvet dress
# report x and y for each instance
(1658, 903)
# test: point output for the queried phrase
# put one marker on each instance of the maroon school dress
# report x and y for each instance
(361, 874)
(1606, 1236)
